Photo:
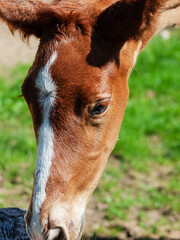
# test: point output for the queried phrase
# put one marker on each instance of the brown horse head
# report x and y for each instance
(76, 90)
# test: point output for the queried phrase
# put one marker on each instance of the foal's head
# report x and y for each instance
(77, 114)
(77, 92)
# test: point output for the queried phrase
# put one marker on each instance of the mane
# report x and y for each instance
(53, 20)
(67, 23)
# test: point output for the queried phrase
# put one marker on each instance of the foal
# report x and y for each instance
(77, 91)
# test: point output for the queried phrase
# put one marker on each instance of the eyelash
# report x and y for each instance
(99, 108)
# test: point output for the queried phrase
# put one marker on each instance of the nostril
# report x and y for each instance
(56, 234)
(61, 235)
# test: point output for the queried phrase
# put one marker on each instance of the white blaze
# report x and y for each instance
(47, 94)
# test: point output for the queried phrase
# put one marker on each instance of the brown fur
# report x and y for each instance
(97, 43)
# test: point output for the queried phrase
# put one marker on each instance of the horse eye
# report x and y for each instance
(98, 108)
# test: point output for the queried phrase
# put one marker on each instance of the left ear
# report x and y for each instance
(125, 19)
(30, 17)
(22, 15)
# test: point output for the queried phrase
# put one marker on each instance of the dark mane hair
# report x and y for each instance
(55, 20)
(67, 23)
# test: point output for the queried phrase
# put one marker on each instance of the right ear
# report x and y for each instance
(125, 19)
(28, 16)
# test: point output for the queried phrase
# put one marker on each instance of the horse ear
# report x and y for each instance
(28, 16)
(125, 19)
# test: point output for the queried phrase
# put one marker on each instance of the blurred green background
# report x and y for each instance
(139, 193)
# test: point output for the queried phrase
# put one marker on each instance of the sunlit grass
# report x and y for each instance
(17, 142)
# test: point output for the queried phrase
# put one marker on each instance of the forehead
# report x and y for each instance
(72, 70)
(69, 70)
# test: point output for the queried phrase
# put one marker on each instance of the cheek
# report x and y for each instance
(119, 102)
(120, 98)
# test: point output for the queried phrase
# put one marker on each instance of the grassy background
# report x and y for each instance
(140, 188)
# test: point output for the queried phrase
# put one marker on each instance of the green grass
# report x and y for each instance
(17, 148)
(141, 184)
